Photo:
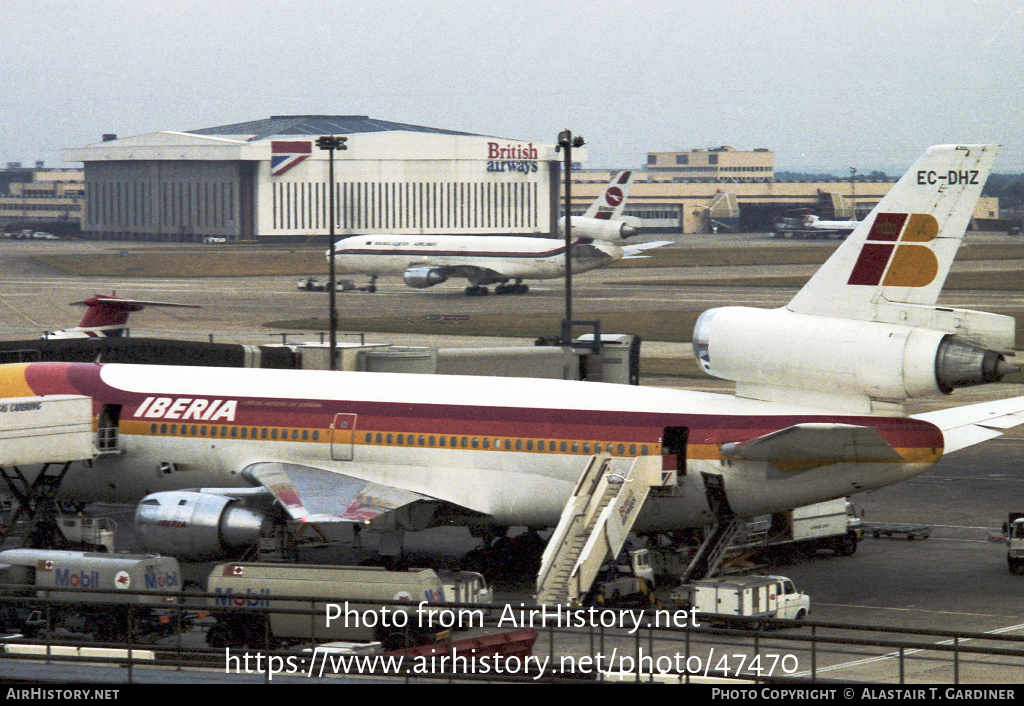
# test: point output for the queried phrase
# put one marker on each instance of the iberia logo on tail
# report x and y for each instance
(896, 253)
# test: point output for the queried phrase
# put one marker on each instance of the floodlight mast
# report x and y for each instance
(332, 143)
(566, 142)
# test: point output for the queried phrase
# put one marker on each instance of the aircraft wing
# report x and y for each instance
(805, 446)
(974, 423)
(634, 251)
(315, 495)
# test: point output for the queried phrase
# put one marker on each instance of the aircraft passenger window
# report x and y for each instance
(305, 435)
(213, 431)
(597, 447)
(422, 440)
(245, 432)
(152, 428)
(497, 444)
(380, 438)
(400, 440)
(273, 433)
(644, 450)
(193, 431)
(316, 435)
(529, 445)
(487, 443)
(234, 432)
(519, 444)
(454, 441)
(223, 431)
(390, 439)
(575, 447)
(443, 440)
(622, 449)
(295, 434)
(433, 440)
(465, 441)
(563, 447)
(476, 442)
(586, 447)
(174, 428)
(632, 449)
(263, 433)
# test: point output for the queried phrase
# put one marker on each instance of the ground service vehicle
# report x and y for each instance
(243, 592)
(67, 605)
(746, 596)
(1015, 544)
(801, 532)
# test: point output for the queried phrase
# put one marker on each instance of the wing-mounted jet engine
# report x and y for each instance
(201, 526)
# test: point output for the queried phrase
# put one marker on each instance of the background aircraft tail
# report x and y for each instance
(612, 200)
(107, 315)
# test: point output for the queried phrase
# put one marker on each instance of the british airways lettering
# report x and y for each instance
(495, 151)
(187, 408)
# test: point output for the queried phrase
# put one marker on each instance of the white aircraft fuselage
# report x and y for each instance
(514, 257)
(514, 459)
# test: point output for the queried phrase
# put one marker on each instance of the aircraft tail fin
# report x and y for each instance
(901, 253)
(107, 314)
(610, 204)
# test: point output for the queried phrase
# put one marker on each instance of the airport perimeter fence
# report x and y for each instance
(501, 643)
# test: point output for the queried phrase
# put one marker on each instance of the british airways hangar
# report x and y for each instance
(266, 180)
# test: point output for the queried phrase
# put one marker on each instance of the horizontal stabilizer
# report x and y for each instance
(315, 495)
(806, 446)
(972, 424)
(636, 250)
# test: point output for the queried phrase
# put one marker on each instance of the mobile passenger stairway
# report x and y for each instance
(595, 523)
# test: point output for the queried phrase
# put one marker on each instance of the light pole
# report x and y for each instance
(565, 143)
(853, 191)
(331, 143)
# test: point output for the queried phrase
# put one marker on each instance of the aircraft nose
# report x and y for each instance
(629, 231)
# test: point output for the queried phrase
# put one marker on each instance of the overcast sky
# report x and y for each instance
(824, 84)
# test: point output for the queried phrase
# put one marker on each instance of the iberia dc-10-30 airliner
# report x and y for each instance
(818, 411)
(504, 260)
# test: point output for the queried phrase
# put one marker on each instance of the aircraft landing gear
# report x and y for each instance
(477, 291)
(517, 288)
(372, 286)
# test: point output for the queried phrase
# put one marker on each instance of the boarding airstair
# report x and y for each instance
(595, 523)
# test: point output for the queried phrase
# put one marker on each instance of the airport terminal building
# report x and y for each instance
(267, 180)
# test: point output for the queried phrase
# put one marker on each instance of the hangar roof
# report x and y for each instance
(280, 125)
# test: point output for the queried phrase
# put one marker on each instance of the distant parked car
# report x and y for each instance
(210, 240)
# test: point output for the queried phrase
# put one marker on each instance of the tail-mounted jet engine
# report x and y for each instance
(777, 350)
(423, 277)
(197, 526)
(599, 229)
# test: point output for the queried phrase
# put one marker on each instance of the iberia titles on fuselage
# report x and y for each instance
(515, 461)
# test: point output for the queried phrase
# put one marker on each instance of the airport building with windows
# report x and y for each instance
(267, 180)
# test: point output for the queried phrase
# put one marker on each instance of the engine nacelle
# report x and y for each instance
(423, 277)
(599, 229)
(764, 350)
(197, 526)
